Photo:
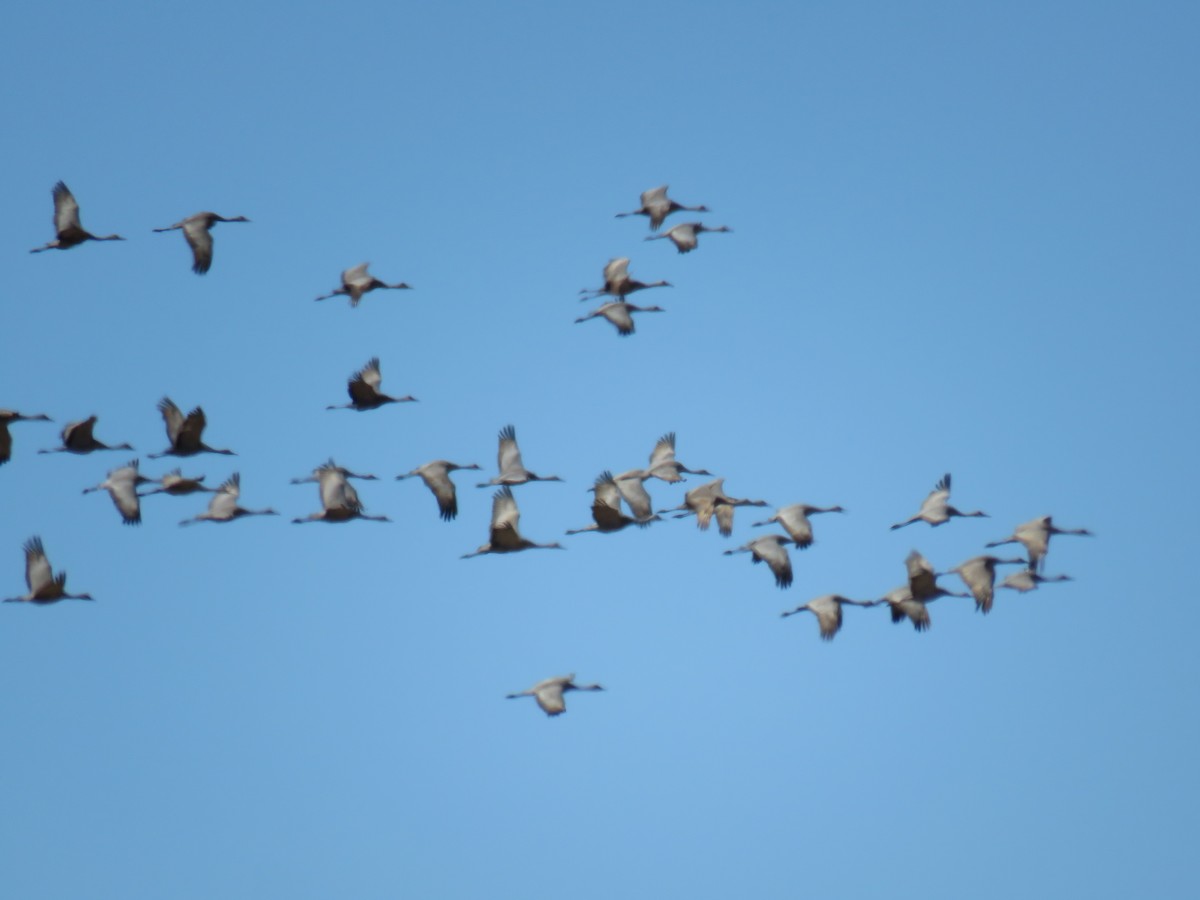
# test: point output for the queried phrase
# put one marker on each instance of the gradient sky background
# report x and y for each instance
(964, 240)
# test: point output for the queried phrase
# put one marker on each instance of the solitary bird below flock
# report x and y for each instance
(504, 536)
(684, 236)
(794, 520)
(122, 485)
(77, 438)
(197, 231)
(549, 693)
(357, 281)
(223, 507)
(770, 549)
(8, 416)
(828, 610)
(656, 205)
(935, 509)
(436, 475)
(620, 314)
(66, 223)
(363, 388)
(508, 460)
(1034, 535)
(617, 282)
(44, 586)
(184, 433)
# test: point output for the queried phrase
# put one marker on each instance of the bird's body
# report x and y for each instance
(197, 231)
(1028, 580)
(363, 388)
(122, 485)
(223, 507)
(69, 233)
(504, 536)
(339, 499)
(828, 610)
(77, 438)
(508, 461)
(175, 484)
(436, 475)
(357, 281)
(770, 549)
(606, 508)
(7, 417)
(684, 237)
(794, 520)
(935, 509)
(979, 575)
(620, 314)
(1034, 535)
(184, 433)
(656, 205)
(44, 586)
(617, 282)
(549, 693)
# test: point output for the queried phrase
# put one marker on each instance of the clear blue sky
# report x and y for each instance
(964, 240)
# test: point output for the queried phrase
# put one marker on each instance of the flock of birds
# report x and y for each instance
(613, 494)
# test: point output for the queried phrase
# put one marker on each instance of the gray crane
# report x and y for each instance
(44, 586)
(223, 507)
(7, 417)
(663, 464)
(549, 693)
(794, 520)
(617, 282)
(122, 485)
(436, 475)
(828, 610)
(922, 579)
(935, 509)
(197, 231)
(684, 237)
(632, 485)
(363, 388)
(979, 575)
(708, 500)
(339, 499)
(508, 461)
(770, 549)
(657, 206)
(67, 229)
(357, 281)
(504, 536)
(620, 314)
(175, 484)
(77, 438)
(606, 508)
(1028, 580)
(1035, 536)
(184, 433)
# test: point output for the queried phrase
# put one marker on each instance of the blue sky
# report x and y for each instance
(964, 240)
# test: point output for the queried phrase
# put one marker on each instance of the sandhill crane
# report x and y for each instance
(632, 485)
(508, 460)
(684, 236)
(1028, 580)
(664, 465)
(197, 231)
(1035, 536)
(620, 314)
(828, 610)
(77, 438)
(794, 520)
(708, 500)
(8, 416)
(504, 536)
(934, 508)
(770, 549)
(436, 475)
(121, 485)
(175, 484)
(606, 508)
(357, 281)
(66, 223)
(44, 586)
(657, 206)
(979, 575)
(184, 434)
(223, 507)
(549, 693)
(363, 388)
(903, 606)
(922, 579)
(339, 499)
(617, 282)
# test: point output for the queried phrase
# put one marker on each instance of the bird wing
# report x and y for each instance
(635, 494)
(921, 579)
(656, 205)
(123, 490)
(549, 695)
(724, 513)
(363, 386)
(79, 434)
(616, 272)
(508, 456)
(505, 519)
(5, 442)
(829, 615)
(796, 523)
(619, 315)
(370, 373)
(664, 450)
(195, 231)
(934, 505)
(980, 579)
(683, 237)
(66, 210)
(356, 276)
(191, 430)
(770, 550)
(224, 502)
(437, 479)
(172, 417)
(37, 567)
